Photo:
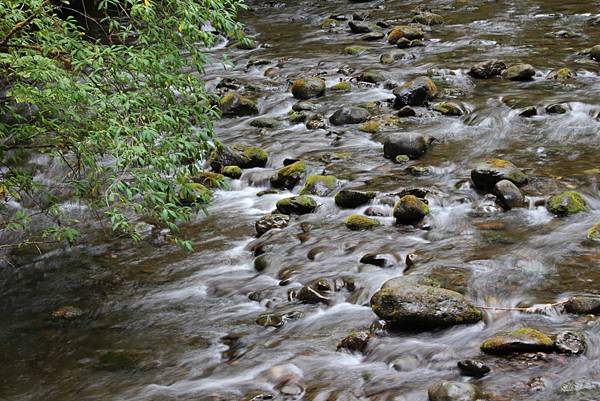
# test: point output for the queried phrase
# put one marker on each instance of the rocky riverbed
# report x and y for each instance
(405, 207)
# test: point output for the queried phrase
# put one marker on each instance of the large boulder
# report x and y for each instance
(307, 88)
(519, 72)
(270, 221)
(584, 305)
(452, 391)
(415, 93)
(411, 144)
(349, 115)
(487, 69)
(319, 185)
(243, 156)
(232, 104)
(289, 176)
(410, 210)
(566, 204)
(297, 205)
(350, 198)
(520, 340)
(487, 174)
(409, 305)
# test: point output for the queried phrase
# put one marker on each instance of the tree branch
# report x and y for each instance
(23, 23)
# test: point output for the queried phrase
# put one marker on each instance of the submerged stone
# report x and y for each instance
(570, 342)
(355, 342)
(448, 109)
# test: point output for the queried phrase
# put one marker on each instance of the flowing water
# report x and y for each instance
(182, 326)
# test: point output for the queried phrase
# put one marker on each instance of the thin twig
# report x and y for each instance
(23, 23)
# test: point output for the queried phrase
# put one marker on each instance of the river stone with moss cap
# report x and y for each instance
(566, 204)
(301, 204)
(518, 341)
(289, 176)
(357, 222)
(519, 72)
(407, 304)
(307, 88)
(243, 156)
(595, 53)
(343, 86)
(349, 115)
(232, 172)
(232, 104)
(410, 144)
(404, 31)
(210, 179)
(415, 93)
(350, 198)
(270, 221)
(319, 185)
(487, 174)
(452, 391)
(410, 210)
(594, 233)
(448, 109)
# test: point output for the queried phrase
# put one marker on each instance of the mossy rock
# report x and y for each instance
(243, 156)
(595, 53)
(594, 233)
(357, 222)
(448, 109)
(319, 185)
(289, 176)
(195, 193)
(520, 340)
(566, 204)
(349, 198)
(410, 210)
(232, 104)
(371, 76)
(428, 18)
(301, 204)
(307, 88)
(232, 172)
(265, 123)
(487, 174)
(354, 50)
(562, 74)
(371, 127)
(210, 179)
(343, 86)
(329, 23)
(415, 93)
(404, 31)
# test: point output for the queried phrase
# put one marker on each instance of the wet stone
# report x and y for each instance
(270, 320)
(509, 195)
(359, 27)
(307, 88)
(518, 341)
(355, 342)
(471, 367)
(350, 199)
(487, 69)
(375, 211)
(410, 144)
(301, 204)
(487, 174)
(566, 204)
(376, 259)
(410, 210)
(557, 108)
(583, 305)
(271, 221)
(415, 93)
(570, 342)
(66, 313)
(519, 72)
(349, 115)
(317, 291)
(452, 391)
(529, 111)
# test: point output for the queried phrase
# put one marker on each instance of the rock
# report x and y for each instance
(359, 27)
(470, 367)
(329, 23)
(410, 210)
(350, 198)
(487, 174)
(376, 212)
(195, 194)
(371, 77)
(570, 342)
(509, 195)
(401, 159)
(317, 291)
(357, 222)
(319, 185)
(557, 108)
(410, 305)
(448, 108)
(562, 74)
(581, 390)
(233, 172)
(452, 391)
(403, 43)
(518, 341)
(287, 177)
(415, 93)
(594, 233)
(301, 204)
(66, 313)
(354, 50)
(355, 342)
(372, 36)
(308, 88)
(270, 221)
(566, 204)
(306, 105)
(487, 69)
(519, 72)
(343, 86)
(428, 18)
(264, 122)
(393, 56)
(583, 305)
(407, 111)
(232, 104)
(404, 31)
(528, 111)
(349, 115)
(410, 144)
(270, 320)
(377, 260)
(210, 179)
(595, 53)
(371, 127)
(243, 156)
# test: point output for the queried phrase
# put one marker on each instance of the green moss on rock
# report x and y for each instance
(357, 222)
(297, 205)
(343, 86)
(195, 193)
(410, 210)
(520, 340)
(371, 126)
(232, 104)
(594, 233)
(232, 172)
(210, 179)
(566, 204)
(354, 50)
(319, 185)
(289, 176)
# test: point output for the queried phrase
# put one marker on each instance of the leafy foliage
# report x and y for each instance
(112, 99)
